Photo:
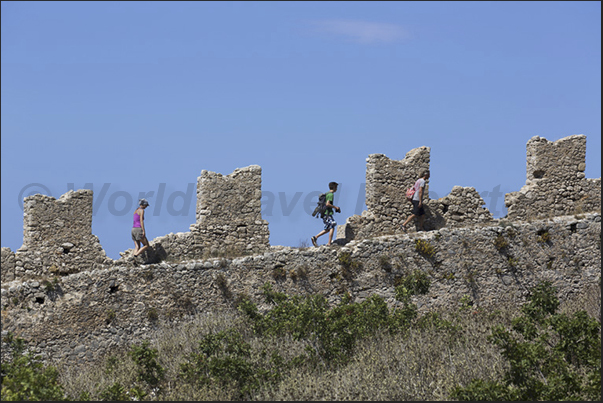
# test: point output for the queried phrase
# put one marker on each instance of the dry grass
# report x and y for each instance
(421, 365)
(589, 301)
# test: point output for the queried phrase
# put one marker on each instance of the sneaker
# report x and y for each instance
(314, 241)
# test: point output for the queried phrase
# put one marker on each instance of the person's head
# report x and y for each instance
(333, 186)
(425, 174)
(143, 203)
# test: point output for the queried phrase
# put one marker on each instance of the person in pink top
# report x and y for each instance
(417, 203)
(138, 231)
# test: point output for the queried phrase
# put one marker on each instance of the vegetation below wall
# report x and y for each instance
(301, 349)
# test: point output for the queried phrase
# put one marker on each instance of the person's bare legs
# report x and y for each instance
(315, 237)
(145, 247)
(136, 247)
(421, 221)
(321, 233)
(331, 231)
(410, 217)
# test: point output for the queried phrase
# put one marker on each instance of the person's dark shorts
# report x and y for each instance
(416, 210)
(137, 234)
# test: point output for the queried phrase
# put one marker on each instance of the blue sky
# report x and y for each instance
(139, 97)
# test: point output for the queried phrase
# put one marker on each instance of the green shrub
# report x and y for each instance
(148, 369)
(152, 314)
(551, 356)
(466, 303)
(333, 332)
(424, 248)
(500, 243)
(24, 377)
(114, 393)
(110, 316)
(385, 263)
(279, 273)
(224, 358)
(543, 237)
(345, 259)
(416, 282)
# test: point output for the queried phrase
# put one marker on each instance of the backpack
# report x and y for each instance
(410, 192)
(321, 207)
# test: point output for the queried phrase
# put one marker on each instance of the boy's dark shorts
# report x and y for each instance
(416, 210)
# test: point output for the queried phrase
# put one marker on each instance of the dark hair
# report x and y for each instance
(424, 173)
(333, 185)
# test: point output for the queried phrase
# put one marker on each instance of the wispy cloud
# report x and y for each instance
(362, 31)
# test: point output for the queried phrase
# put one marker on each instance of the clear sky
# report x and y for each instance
(131, 98)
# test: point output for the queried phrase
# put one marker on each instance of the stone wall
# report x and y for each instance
(229, 212)
(228, 220)
(462, 206)
(80, 317)
(555, 181)
(386, 184)
(66, 298)
(8, 265)
(387, 207)
(171, 247)
(57, 236)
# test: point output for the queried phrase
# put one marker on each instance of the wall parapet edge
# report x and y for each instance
(58, 237)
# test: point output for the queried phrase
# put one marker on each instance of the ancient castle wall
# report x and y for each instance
(64, 296)
(80, 317)
(228, 220)
(387, 181)
(555, 181)
(229, 212)
(387, 207)
(57, 237)
(8, 265)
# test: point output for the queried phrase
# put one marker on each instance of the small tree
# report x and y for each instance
(551, 356)
(24, 377)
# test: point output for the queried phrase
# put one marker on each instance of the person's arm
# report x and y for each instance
(329, 204)
(141, 214)
(421, 194)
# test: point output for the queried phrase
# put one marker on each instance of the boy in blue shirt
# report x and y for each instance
(328, 219)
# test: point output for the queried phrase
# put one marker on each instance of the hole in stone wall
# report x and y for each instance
(573, 228)
(113, 289)
(65, 251)
(445, 209)
(40, 300)
(538, 174)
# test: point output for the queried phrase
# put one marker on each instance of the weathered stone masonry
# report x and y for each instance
(229, 211)
(88, 314)
(555, 181)
(228, 219)
(57, 238)
(68, 300)
(387, 207)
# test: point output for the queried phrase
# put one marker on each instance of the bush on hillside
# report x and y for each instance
(551, 356)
